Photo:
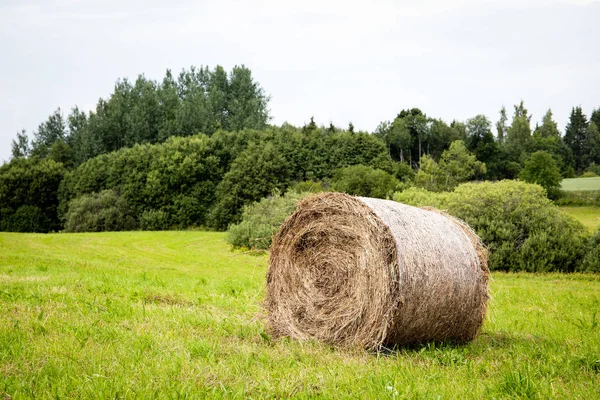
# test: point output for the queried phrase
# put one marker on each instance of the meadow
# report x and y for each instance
(587, 215)
(178, 315)
(577, 184)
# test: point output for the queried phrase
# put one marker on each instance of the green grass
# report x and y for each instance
(589, 216)
(572, 184)
(177, 314)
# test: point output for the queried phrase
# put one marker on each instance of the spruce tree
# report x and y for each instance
(575, 136)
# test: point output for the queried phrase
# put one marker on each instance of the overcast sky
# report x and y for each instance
(339, 61)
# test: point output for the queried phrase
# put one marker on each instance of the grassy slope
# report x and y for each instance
(581, 184)
(589, 216)
(175, 314)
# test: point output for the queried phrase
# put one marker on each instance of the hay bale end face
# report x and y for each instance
(358, 271)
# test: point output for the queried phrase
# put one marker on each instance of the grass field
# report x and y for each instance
(589, 216)
(581, 184)
(177, 314)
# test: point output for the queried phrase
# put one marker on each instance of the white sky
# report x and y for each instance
(338, 60)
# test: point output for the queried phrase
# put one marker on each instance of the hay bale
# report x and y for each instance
(359, 271)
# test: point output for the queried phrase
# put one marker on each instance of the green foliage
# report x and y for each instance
(255, 173)
(456, 165)
(420, 197)
(480, 140)
(309, 186)
(262, 220)
(32, 184)
(20, 146)
(575, 137)
(178, 177)
(360, 180)
(97, 212)
(154, 220)
(541, 168)
(578, 198)
(26, 219)
(594, 168)
(522, 228)
(52, 130)
(591, 261)
(589, 174)
(519, 132)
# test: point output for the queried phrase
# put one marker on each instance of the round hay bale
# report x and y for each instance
(359, 271)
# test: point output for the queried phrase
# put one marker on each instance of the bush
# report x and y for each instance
(420, 198)
(360, 180)
(178, 176)
(578, 198)
(522, 228)
(589, 174)
(104, 211)
(594, 168)
(309, 186)
(591, 261)
(27, 219)
(154, 220)
(261, 220)
(28, 195)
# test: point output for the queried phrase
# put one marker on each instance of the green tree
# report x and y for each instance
(501, 127)
(549, 127)
(418, 127)
(480, 139)
(53, 129)
(575, 136)
(361, 180)
(456, 165)
(254, 174)
(591, 146)
(20, 146)
(541, 168)
(519, 132)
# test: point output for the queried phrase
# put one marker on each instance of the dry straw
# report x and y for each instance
(358, 271)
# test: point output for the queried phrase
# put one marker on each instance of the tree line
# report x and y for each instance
(194, 150)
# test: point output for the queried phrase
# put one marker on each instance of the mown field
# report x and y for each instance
(177, 314)
(589, 216)
(572, 184)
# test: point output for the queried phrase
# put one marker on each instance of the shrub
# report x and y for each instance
(578, 198)
(104, 211)
(154, 220)
(522, 228)
(594, 168)
(27, 219)
(181, 172)
(360, 180)
(309, 186)
(28, 195)
(261, 220)
(420, 197)
(589, 174)
(591, 261)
